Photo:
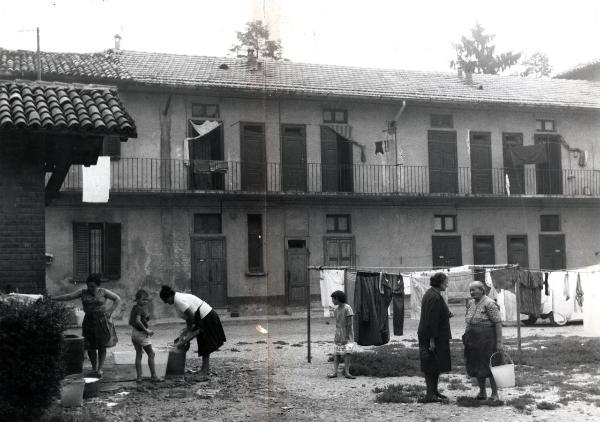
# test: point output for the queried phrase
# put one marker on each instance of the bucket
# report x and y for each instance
(176, 361)
(91, 388)
(161, 357)
(72, 354)
(504, 375)
(71, 392)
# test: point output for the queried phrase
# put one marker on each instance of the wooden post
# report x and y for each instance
(308, 319)
(517, 292)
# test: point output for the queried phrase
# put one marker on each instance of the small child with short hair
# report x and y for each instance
(344, 334)
(140, 334)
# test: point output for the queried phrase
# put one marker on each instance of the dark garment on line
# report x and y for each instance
(546, 286)
(397, 284)
(505, 278)
(530, 285)
(378, 147)
(434, 323)
(371, 325)
(579, 292)
(531, 154)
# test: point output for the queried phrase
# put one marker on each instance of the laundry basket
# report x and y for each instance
(504, 375)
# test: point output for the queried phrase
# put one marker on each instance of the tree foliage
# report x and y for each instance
(256, 36)
(477, 54)
(536, 65)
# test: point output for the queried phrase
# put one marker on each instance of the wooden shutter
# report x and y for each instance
(81, 251)
(112, 251)
(112, 148)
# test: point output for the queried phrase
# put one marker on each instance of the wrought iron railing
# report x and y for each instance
(170, 175)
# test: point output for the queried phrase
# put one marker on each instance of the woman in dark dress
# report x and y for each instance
(97, 328)
(199, 316)
(482, 338)
(434, 337)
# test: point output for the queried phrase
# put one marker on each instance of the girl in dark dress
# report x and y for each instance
(434, 337)
(97, 328)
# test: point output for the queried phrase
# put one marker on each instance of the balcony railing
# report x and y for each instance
(163, 175)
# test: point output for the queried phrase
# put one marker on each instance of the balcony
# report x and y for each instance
(177, 176)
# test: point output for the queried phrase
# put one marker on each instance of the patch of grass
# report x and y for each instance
(546, 405)
(564, 400)
(260, 342)
(280, 342)
(466, 401)
(398, 393)
(521, 402)
(233, 349)
(241, 343)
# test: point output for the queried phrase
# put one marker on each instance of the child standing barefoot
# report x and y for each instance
(140, 334)
(344, 334)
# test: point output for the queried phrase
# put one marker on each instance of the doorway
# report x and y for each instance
(446, 251)
(481, 162)
(552, 252)
(209, 270)
(517, 252)
(296, 274)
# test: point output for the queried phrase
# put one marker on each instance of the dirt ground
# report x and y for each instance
(266, 377)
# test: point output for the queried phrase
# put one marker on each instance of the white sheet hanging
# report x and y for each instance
(96, 181)
(330, 281)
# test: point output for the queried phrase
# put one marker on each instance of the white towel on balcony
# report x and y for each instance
(96, 181)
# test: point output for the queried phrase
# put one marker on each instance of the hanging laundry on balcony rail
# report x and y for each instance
(345, 132)
(531, 154)
(201, 130)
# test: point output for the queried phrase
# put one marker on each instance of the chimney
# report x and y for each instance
(117, 42)
(252, 59)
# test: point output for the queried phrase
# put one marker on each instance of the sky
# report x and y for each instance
(411, 35)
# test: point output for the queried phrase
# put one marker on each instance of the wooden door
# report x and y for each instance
(516, 174)
(552, 252)
(517, 251)
(443, 164)
(483, 250)
(446, 251)
(253, 156)
(481, 162)
(296, 272)
(339, 251)
(293, 157)
(549, 175)
(329, 160)
(209, 276)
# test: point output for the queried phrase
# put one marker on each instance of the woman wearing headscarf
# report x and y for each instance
(482, 338)
(200, 316)
(97, 328)
(434, 337)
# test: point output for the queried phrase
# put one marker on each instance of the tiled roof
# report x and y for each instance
(316, 79)
(63, 107)
(100, 67)
(302, 79)
(582, 66)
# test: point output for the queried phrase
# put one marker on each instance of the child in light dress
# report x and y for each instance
(140, 334)
(344, 334)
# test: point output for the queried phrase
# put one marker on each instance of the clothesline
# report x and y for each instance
(490, 267)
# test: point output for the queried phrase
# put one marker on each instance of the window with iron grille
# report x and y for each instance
(96, 249)
(332, 115)
(255, 244)
(550, 223)
(441, 121)
(338, 223)
(444, 223)
(207, 223)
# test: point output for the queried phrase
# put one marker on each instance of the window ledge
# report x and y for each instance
(256, 274)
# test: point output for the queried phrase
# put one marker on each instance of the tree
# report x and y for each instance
(476, 54)
(536, 65)
(257, 37)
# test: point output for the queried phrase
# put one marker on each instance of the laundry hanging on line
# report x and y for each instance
(372, 297)
(330, 281)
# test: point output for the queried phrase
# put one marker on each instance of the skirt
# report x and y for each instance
(211, 335)
(480, 344)
(437, 361)
(98, 331)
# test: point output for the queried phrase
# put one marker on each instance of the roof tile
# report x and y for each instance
(25, 104)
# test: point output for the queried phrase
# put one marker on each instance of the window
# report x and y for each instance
(444, 223)
(331, 115)
(338, 223)
(96, 249)
(545, 125)
(111, 147)
(205, 110)
(255, 243)
(549, 223)
(442, 121)
(339, 251)
(207, 223)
